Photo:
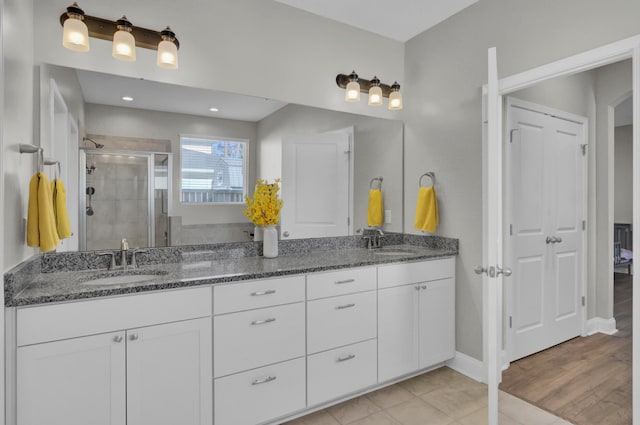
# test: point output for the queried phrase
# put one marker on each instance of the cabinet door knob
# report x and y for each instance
(417, 287)
(134, 337)
(424, 286)
(117, 338)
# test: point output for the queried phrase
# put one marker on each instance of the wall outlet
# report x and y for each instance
(387, 216)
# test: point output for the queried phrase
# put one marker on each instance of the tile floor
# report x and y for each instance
(439, 397)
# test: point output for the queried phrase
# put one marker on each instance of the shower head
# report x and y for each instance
(98, 145)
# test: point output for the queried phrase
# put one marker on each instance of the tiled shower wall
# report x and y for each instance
(120, 202)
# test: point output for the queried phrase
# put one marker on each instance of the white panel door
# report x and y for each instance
(169, 374)
(75, 381)
(315, 185)
(545, 186)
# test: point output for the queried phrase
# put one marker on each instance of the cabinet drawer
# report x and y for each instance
(337, 321)
(258, 395)
(335, 373)
(257, 294)
(254, 338)
(342, 282)
(70, 320)
(423, 271)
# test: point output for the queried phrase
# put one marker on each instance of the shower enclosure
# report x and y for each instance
(124, 194)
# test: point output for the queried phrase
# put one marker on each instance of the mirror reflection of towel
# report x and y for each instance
(41, 223)
(60, 209)
(427, 210)
(375, 208)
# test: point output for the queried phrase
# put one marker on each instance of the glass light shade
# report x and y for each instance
(75, 35)
(395, 100)
(352, 92)
(375, 96)
(167, 54)
(124, 46)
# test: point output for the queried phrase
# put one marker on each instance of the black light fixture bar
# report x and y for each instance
(104, 30)
(343, 79)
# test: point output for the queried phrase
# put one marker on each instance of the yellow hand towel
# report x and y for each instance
(375, 208)
(427, 210)
(60, 209)
(41, 225)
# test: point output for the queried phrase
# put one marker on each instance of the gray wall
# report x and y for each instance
(623, 171)
(377, 149)
(445, 68)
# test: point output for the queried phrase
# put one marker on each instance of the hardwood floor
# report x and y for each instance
(586, 381)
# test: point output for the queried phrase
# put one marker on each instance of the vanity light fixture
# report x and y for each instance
(395, 98)
(214, 109)
(352, 92)
(127, 98)
(355, 85)
(124, 44)
(78, 27)
(375, 93)
(75, 34)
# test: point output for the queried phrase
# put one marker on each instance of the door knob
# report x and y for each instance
(480, 269)
(506, 272)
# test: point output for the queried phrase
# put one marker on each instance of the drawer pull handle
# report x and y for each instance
(263, 380)
(341, 307)
(340, 282)
(345, 358)
(262, 322)
(267, 292)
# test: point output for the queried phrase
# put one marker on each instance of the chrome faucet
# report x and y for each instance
(124, 247)
(374, 240)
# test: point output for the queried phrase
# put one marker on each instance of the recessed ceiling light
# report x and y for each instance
(214, 109)
(127, 98)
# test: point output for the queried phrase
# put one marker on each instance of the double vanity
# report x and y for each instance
(224, 337)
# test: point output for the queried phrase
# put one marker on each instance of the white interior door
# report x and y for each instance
(546, 184)
(315, 185)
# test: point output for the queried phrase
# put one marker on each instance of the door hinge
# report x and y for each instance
(584, 149)
(511, 230)
(584, 301)
(584, 224)
(348, 221)
(510, 322)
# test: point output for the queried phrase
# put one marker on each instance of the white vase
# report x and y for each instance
(270, 242)
(257, 233)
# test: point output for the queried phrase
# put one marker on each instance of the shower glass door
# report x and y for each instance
(124, 195)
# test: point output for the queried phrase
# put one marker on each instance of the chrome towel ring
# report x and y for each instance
(429, 174)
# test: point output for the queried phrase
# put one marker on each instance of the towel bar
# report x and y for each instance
(429, 174)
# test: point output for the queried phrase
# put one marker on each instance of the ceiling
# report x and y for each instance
(108, 89)
(399, 20)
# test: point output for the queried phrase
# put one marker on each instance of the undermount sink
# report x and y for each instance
(123, 278)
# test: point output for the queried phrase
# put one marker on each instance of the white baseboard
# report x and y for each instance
(600, 325)
(467, 365)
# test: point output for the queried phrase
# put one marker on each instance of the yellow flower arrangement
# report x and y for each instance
(264, 208)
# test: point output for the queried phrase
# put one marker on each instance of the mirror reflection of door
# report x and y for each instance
(316, 185)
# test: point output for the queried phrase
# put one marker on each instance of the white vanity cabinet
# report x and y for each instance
(416, 316)
(259, 350)
(341, 333)
(140, 359)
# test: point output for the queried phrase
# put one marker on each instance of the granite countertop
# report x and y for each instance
(71, 285)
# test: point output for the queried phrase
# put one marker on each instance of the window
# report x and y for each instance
(213, 170)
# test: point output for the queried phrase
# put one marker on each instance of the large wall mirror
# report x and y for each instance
(132, 182)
